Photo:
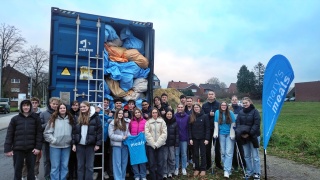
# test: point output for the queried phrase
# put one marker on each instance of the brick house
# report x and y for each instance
(197, 91)
(307, 91)
(15, 83)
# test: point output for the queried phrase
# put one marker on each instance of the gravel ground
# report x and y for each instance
(278, 168)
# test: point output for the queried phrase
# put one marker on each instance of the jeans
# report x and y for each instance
(252, 158)
(169, 159)
(46, 159)
(226, 147)
(183, 150)
(156, 161)
(85, 158)
(140, 170)
(119, 160)
(18, 160)
(199, 144)
(59, 163)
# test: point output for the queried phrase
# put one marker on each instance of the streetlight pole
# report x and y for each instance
(2, 50)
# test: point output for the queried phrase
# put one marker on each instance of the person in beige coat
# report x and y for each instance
(156, 136)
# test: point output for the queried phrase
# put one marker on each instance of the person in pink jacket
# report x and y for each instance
(136, 126)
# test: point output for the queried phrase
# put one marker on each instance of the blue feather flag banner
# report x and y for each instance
(276, 82)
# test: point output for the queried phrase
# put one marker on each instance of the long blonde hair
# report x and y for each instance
(193, 115)
(84, 117)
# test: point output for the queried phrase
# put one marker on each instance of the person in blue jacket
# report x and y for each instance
(224, 121)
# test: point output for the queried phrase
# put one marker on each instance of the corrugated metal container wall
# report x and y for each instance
(66, 42)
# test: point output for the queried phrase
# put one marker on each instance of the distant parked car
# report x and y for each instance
(4, 107)
(292, 99)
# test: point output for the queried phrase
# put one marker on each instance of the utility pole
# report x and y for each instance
(1, 54)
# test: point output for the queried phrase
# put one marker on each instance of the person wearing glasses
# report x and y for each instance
(224, 121)
(146, 109)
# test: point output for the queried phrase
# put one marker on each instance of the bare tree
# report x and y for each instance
(215, 80)
(11, 43)
(35, 64)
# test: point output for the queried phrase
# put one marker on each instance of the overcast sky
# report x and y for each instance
(197, 40)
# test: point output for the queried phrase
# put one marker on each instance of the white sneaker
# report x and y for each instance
(106, 176)
(95, 175)
(144, 178)
(226, 174)
(24, 178)
(184, 172)
(169, 175)
(36, 177)
(164, 176)
(136, 178)
(176, 172)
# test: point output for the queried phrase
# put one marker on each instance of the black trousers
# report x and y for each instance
(217, 158)
(156, 162)
(72, 165)
(199, 144)
(18, 161)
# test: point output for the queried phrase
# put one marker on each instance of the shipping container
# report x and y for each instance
(74, 37)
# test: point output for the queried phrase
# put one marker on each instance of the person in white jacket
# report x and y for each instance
(58, 133)
(118, 132)
(224, 121)
(156, 136)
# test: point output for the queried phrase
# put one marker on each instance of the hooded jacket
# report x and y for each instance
(24, 132)
(94, 133)
(182, 122)
(60, 135)
(200, 128)
(156, 132)
(116, 136)
(45, 116)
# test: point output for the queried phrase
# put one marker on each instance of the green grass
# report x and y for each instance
(296, 135)
(14, 109)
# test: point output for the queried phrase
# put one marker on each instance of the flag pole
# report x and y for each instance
(265, 163)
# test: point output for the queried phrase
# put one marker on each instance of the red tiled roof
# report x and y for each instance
(178, 85)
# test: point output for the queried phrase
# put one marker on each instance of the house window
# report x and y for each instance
(194, 90)
(15, 80)
(15, 89)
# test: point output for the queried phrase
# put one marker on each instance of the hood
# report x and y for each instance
(92, 111)
(26, 101)
(49, 109)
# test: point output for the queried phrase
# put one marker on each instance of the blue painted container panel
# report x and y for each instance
(63, 45)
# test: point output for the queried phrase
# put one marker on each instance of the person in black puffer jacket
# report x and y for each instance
(171, 142)
(199, 135)
(86, 139)
(24, 139)
(248, 133)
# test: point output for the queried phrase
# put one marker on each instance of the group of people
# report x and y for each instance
(158, 140)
